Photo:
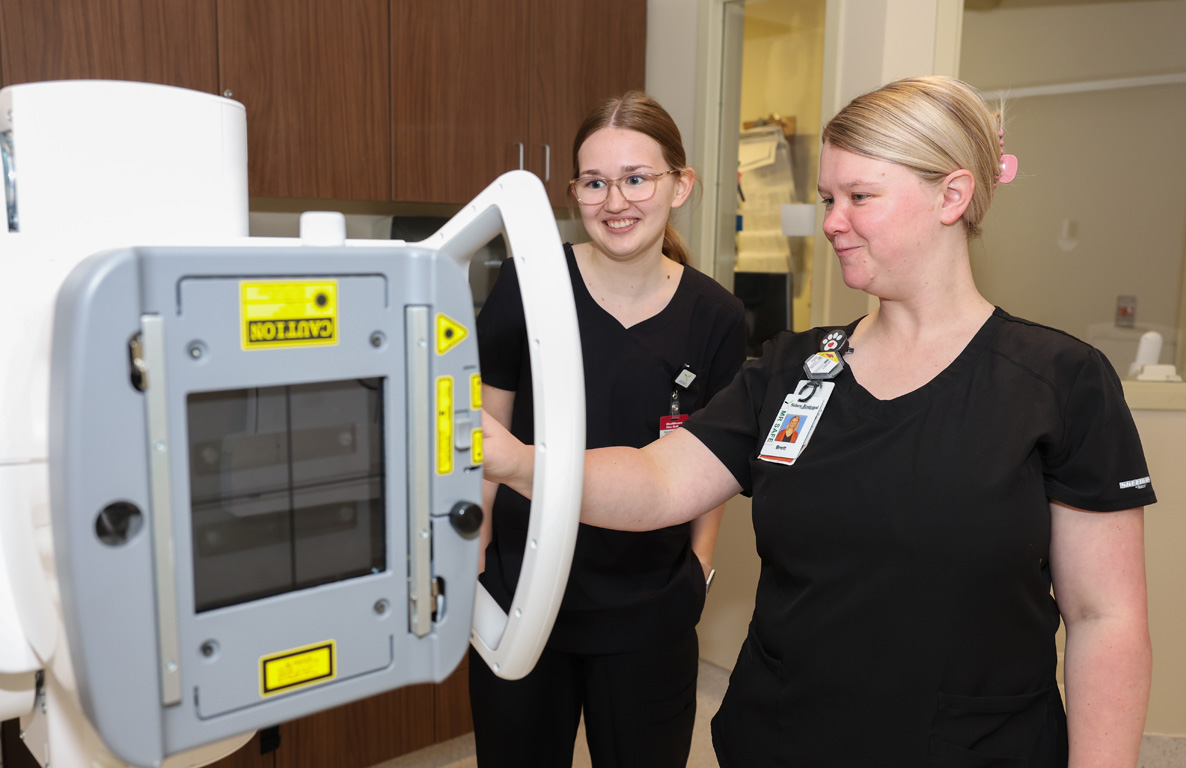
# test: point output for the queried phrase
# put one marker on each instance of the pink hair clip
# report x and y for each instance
(1008, 163)
(1008, 169)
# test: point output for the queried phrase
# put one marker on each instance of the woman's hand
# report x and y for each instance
(505, 459)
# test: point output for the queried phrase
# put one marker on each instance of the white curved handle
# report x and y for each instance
(517, 204)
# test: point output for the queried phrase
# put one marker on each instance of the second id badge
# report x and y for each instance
(796, 421)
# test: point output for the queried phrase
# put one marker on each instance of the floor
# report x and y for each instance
(459, 752)
(1156, 751)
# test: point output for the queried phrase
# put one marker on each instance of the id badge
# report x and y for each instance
(796, 422)
(668, 424)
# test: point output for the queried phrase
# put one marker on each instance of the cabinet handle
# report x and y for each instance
(228, 93)
(547, 163)
(519, 144)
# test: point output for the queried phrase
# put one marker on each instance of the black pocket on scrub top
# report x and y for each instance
(988, 731)
(747, 729)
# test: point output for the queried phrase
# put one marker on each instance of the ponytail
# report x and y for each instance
(674, 246)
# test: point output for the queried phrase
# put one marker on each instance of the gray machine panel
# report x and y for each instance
(271, 519)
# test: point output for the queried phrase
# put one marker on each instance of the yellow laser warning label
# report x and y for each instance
(444, 425)
(450, 333)
(298, 668)
(277, 313)
(476, 446)
(475, 392)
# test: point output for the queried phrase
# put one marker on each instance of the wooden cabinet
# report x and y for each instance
(158, 42)
(313, 76)
(585, 51)
(362, 734)
(481, 87)
(459, 89)
(382, 100)
(368, 732)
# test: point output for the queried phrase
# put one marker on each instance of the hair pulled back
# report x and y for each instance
(932, 125)
(636, 111)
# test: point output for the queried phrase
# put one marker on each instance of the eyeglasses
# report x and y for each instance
(635, 187)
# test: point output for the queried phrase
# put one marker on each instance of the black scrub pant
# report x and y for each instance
(639, 708)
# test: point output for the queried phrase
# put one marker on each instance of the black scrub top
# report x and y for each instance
(903, 613)
(626, 590)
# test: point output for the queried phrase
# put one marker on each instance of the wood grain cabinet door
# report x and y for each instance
(313, 76)
(481, 87)
(459, 79)
(585, 51)
(172, 42)
(362, 734)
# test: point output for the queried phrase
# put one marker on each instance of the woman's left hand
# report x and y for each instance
(504, 458)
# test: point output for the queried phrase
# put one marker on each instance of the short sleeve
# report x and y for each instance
(502, 331)
(728, 425)
(729, 356)
(1098, 464)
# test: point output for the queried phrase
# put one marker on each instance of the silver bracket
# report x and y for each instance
(420, 411)
(152, 360)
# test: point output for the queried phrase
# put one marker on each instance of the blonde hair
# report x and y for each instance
(932, 125)
(636, 111)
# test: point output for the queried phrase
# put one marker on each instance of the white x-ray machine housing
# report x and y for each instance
(240, 479)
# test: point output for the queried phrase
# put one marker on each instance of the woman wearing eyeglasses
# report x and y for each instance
(658, 339)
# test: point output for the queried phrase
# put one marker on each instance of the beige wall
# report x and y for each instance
(1023, 44)
(1163, 434)
(730, 603)
(1107, 166)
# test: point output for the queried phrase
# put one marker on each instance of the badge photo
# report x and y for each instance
(796, 422)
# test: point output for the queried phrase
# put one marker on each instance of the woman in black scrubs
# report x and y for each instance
(954, 464)
(658, 340)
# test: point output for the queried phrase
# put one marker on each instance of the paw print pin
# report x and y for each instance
(833, 341)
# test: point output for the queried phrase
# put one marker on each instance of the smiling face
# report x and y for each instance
(882, 219)
(619, 228)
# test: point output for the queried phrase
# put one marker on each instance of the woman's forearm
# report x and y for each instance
(670, 481)
(1108, 671)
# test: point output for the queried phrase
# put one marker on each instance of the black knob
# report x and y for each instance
(466, 518)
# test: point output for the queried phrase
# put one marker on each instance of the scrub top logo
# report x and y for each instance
(276, 314)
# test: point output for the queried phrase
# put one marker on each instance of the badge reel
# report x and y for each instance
(674, 420)
(801, 410)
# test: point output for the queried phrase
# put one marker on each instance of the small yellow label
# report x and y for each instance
(450, 333)
(444, 425)
(275, 314)
(476, 446)
(297, 668)
(475, 392)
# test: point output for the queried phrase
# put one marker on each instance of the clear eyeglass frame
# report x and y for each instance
(637, 193)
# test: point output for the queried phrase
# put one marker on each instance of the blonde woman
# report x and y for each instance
(956, 464)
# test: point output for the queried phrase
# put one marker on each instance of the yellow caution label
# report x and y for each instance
(475, 392)
(444, 425)
(276, 313)
(476, 446)
(450, 333)
(298, 668)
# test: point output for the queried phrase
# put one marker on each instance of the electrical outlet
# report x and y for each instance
(1126, 311)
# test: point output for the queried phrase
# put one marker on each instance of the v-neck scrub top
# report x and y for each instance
(626, 590)
(903, 613)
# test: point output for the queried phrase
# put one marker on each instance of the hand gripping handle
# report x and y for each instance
(517, 204)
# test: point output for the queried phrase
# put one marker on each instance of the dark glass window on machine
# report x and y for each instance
(286, 488)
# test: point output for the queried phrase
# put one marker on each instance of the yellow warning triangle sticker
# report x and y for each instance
(450, 333)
